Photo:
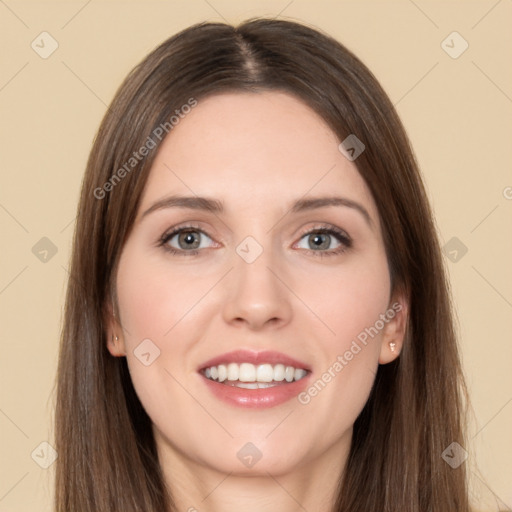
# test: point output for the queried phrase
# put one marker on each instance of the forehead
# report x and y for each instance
(254, 149)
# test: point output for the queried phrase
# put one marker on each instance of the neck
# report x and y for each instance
(311, 486)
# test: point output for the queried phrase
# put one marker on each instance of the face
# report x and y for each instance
(256, 258)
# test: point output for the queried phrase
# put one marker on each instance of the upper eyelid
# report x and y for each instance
(327, 227)
(172, 232)
(184, 226)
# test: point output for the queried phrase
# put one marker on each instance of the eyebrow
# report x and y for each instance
(216, 207)
(192, 202)
(321, 202)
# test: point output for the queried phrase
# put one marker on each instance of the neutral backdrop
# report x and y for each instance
(456, 104)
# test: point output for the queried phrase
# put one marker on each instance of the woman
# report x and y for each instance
(258, 314)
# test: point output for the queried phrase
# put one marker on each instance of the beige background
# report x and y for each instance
(457, 112)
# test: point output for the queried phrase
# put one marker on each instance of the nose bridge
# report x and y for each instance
(256, 296)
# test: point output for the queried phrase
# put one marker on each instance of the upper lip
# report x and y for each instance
(254, 357)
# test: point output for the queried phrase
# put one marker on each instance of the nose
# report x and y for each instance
(256, 297)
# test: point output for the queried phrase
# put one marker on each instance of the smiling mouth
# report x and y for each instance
(250, 376)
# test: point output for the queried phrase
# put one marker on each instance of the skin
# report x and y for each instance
(257, 153)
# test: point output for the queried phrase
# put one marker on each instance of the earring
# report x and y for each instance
(392, 346)
(117, 338)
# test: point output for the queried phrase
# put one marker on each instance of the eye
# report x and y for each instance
(186, 239)
(325, 241)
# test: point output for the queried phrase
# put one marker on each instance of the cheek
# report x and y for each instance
(162, 316)
(351, 306)
(349, 301)
(157, 312)
(154, 298)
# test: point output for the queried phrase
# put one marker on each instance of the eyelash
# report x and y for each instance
(340, 235)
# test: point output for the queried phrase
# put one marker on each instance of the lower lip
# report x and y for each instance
(256, 398)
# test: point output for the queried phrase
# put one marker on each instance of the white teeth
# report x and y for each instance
(250, 376)
(247, 373)
(289, 373)
(223, 372)
(247, 385)
(252, 385)
(279, 372)
(265, 373)
(299, 373)
(232, 371)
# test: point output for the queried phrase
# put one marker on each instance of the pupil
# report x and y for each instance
(319, 241)
(190, 240)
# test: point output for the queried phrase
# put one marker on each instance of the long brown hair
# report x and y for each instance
(107, 456)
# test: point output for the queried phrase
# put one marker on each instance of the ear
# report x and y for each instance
(115, 339)
(394, 330)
